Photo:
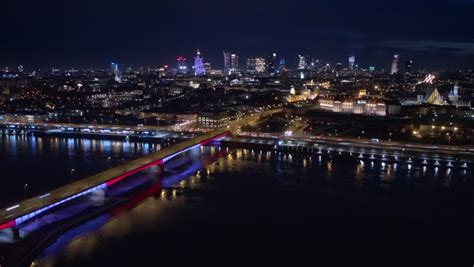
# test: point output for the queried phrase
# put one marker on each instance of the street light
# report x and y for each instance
(72, 173)
(26, 187)
(363, 134)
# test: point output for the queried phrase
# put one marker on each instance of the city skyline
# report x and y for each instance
(183, 67)
(436, 34)
(238, 132)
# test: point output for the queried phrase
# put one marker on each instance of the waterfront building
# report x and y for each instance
(213, 120)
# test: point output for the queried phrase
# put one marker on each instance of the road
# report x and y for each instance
(50, 125)
(366, 143)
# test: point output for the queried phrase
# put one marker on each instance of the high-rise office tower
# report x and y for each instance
(395, 61)
(301, 62)
(199, 69)
(281, 66)
(352, 60)
(271, 64)
(227, 62)
(114, 68)
(207, 67)
(234, 63)
(408, 66)
(251, 65)
(182, 65)
(456, 89)
(260, 65)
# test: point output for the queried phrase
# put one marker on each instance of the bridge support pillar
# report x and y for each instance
(161, 165)
(15, 233)
(98, 197)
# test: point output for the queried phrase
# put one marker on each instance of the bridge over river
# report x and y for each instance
(16, 214)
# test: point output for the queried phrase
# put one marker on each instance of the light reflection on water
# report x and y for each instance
(245, 169)
(46, 163)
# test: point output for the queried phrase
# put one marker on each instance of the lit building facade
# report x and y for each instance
(213, 120)
(234, 63)
(362, 106)
(227, 62)
(281, 66)
(260, 65)
(199, 69)
(271, 62)
(182, 65)
(251, 65)
(301, 62)
(352, 59)
(409, 66)
(395, 62)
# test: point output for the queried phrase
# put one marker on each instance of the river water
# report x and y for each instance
(250, 208)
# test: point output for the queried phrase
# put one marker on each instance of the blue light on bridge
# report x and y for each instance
(179, 152)
(30, 215)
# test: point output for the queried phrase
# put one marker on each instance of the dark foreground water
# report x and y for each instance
(264, 209)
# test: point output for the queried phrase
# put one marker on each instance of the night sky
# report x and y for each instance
(437, 34)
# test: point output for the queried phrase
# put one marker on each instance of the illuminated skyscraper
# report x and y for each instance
(453, 95)
(395, 61)
(234, 63)
(408, 66)
(181, 64)
(352, 60)
(271, 64)
(114, 68)
(260, 65)
(281, 66)
(227, 63)
(207, 67)
(199, 69)
(251, 65)
(301, 62)
(456, 89)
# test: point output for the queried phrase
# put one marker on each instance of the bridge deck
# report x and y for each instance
(31, 207)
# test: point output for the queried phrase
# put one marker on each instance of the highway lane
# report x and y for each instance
(52, 125)
(465, 151)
